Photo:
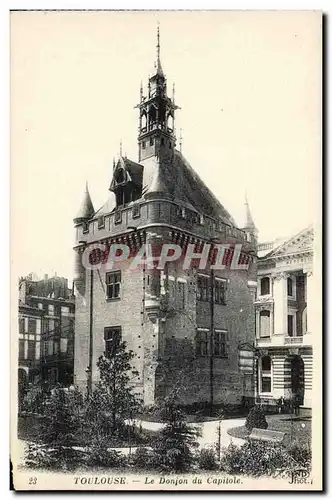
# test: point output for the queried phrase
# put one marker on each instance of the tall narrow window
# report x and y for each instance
(112, 337)
(266, 366)
(118, 216)
(181, 294)
(31, 350)
(21, 325)
(203, 288)
(289, 287)
(101, 222)
(32, 325)
(290, 325)
(220, 291)
(264, 323)
(265, 286)
(21, 349)
(113, 285)
(85, 227)
(202, 343)
(220, 343)
(136, 211)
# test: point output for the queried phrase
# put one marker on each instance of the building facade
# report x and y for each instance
(284, 318)
(46, 331)
(185, 326)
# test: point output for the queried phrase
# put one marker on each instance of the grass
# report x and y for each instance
(296, 428)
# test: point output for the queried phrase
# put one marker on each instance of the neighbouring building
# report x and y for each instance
(186, 327)
(46, 330)
(284, 318)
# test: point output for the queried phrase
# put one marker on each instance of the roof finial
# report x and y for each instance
(120, 147)
(113, 163)
(86, 186)
(141, 91)
(180, 142)
(158, 63)
(173, 97)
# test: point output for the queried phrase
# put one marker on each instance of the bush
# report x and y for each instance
(41, 456)
(207, 459)
(256, 458)
(99, 455)
(256, 419)
(143, 458)
(34, 400)
(301, 454)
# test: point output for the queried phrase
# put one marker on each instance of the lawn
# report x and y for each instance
(296, 428)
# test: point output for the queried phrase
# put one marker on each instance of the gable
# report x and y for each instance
(302, 242)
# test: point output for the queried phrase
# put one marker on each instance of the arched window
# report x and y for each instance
(264, 324)
(266, 374)
(265, 286)
(170, 122)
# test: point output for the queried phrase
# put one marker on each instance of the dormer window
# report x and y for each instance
(85, 227)
(101, 222)
(120, 176)
(136, 211)
(118, 217)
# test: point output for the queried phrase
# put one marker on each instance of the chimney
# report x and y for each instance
(45, 277)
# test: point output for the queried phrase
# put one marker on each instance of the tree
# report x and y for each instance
(113, 400)
(58, 433)
(178, 440)
(62, 417)
(256, 419)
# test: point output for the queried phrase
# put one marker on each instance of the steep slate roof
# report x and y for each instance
(86, 210)
(174, 180)
(178, 181)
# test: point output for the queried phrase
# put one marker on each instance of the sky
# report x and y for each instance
(249, 87)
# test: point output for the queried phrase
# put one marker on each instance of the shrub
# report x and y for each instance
(256, 458)
(301, 454)
(207, 459)
(143, 458)
(41, 456)
(34, 400)
(99, 455)
(174, 450)
(256, 418)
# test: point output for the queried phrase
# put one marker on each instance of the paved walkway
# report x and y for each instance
(209, 431)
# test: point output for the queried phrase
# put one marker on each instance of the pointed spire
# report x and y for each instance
(86, 210)
(158, 63)
(113, 163)
(120, 152)
(173, 96)
(249, 221)
(180, 141)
